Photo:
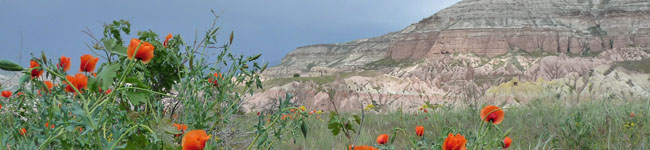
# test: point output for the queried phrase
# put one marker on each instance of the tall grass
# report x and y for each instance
(542, 124)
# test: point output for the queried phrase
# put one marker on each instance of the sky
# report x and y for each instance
(270, 27)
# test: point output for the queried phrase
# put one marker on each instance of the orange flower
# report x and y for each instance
(419, 130)
(454, 142)
(35, 72)
(80, 129)
(362, 147)
(382, 139)
(80, 81)
(88, 63)
(180, 127)
(492, 114)
(64, 62)
(6, 94)
(284, 116)
(632, 114)
(22, 131)
(195, 140)
(506, 142)
(169, 36)
(144, 53)
(215, 82)
(49, 85)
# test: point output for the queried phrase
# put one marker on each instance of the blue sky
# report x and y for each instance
(270, 27)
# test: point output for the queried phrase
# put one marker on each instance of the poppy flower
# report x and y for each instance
(22, 131)
(35, 72)
(49, 85)
(180, 127)
(19, 94)
(80, 81)
(0, 106)
(382, 139)
(215, 81)
(169, 36)
(144, 53)
(454, 142)
(48, 125)
(6, 94)
(632, 114)
(88, 63)
(108, 91)
(64, 62)
(284, 116)
(80, 129)
(258, 113)
(419, 130)
(361, 147)
(195, 140)
(506, 142)
(492, 114)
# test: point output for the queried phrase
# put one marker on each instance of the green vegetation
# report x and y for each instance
(542, 124)
(320, 80)
(642, 66)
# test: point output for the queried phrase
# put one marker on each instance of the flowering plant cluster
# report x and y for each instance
(140, 93)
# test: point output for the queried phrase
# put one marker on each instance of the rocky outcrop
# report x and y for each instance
(490, 28)
(479, 51)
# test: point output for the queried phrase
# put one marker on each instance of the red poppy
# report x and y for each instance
(64, 62)
(195, 140)
(419, 130)
(6, 94)
(382, 139)
(22, 131)
(35, 72)
(632, 114)
(169, 36)
(0, 106)
(108, 91)
(492, 114)
(144, 53)
(80, 129)
(47, 124)
(215, 81)
(180, 127)
(19, 94)
(88, 63)
(506, 142)
(361, 147)
(49, 85)
(80, 81)
(454, 142)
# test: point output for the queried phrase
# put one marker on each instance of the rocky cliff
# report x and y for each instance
(490, 28)
(478, 51)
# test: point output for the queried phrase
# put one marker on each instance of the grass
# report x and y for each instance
(542, 124)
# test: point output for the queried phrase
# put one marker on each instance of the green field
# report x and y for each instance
(603, 124)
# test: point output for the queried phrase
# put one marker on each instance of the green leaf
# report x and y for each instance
(135, 81)
(107, 74)
(10, 66)
(357, 119)
(136, 97)
(303, 129)
(254, 57)
(335, 127)
(111, 45)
